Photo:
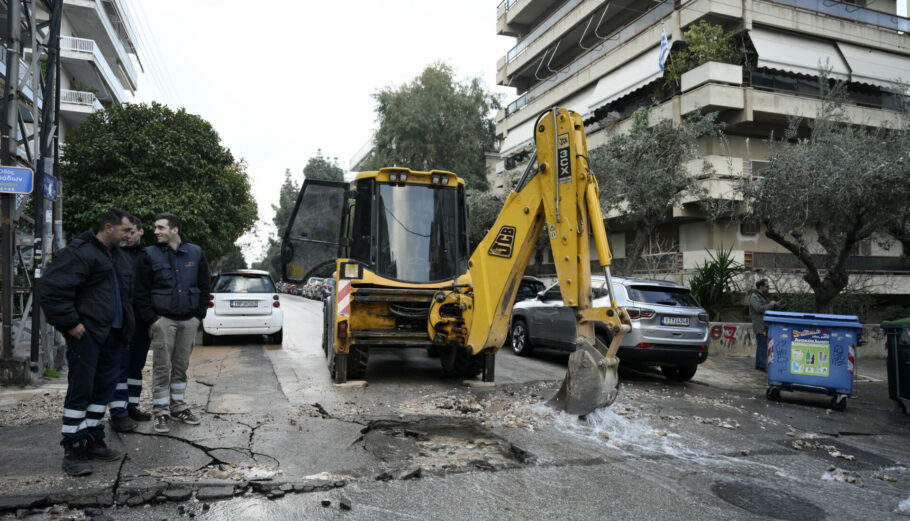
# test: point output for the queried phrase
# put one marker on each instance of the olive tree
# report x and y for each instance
(830, 184)
(643, 174)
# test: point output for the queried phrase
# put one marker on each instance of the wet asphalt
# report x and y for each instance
(415, 445)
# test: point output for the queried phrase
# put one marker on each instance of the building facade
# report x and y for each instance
(601, 59)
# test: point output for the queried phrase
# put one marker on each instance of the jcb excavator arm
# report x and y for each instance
(562, 194)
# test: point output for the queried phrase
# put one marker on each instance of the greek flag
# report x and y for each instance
(664, 48)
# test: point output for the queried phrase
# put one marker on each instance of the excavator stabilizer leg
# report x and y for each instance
(592, 379)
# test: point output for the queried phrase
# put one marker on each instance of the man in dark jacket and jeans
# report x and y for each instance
(758, 304)
(125, 411)
(86, 294)
(172, 294)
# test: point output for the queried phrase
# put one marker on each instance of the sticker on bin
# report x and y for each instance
(810, 352)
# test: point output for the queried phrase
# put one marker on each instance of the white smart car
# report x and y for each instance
(243, 302)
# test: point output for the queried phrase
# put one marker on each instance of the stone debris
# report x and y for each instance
(499, 408)
(832, 451)
(725, 423)
(344, 503)
(884, 477)
(224, 471)
(903, 508)
(43, 407)
(843, 476)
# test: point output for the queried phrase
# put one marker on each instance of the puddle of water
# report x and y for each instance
(638, 437)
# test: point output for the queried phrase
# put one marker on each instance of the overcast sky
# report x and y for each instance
(279, 80)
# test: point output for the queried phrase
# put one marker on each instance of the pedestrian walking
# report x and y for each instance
(124, 406)
(758, 304)
(86, 293)
(172, 294)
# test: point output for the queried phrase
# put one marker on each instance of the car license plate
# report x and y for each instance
(674, 321)
(244, 303)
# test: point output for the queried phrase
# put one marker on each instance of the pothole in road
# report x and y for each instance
(767, 502)
(439, 445)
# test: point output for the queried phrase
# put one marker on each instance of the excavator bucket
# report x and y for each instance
(591, 381)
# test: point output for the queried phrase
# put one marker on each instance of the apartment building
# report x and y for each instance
(601, 59)
(97, 50)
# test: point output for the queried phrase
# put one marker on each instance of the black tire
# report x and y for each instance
(679, 373)
(276, 337)
(773, 394)
(465, 365)
(207, 339)
(357, 362)
(521, 342)
(433, 351)
(839, 403)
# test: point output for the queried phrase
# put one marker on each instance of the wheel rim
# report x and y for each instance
(518, 338)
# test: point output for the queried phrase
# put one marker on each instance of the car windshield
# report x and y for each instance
(244, 284)
(418, 232)
(663, 296)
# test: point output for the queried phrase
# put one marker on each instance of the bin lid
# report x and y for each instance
(901, 322)
(812, 319)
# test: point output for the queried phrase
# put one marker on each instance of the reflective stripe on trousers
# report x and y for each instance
(172, 344)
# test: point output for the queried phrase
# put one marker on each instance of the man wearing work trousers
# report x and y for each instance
(86, 294)
(172, 295)
(758, 304)
(125, 411)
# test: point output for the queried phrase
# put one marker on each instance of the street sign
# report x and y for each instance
(50, 187)
(16, 180)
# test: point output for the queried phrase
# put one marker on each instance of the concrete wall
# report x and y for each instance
(737, 339)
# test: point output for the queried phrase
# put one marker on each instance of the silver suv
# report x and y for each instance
(669, 328)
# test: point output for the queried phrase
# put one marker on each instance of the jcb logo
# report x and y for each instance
(562, 140)
(505, 241)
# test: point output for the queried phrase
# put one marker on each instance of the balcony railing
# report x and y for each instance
(79, 97)
(617, 39)
(88, 47)
(507, 3)
(532, 36)
(851, 12)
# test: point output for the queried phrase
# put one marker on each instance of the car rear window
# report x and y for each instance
(662, 296)
(244, 284)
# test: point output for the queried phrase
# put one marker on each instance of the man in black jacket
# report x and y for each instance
(86, 293)
(125, 411)
(172, 294)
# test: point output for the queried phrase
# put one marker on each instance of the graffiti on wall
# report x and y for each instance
(727, 334)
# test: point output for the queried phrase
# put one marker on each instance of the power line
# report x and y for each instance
(156, 50)
(153, 69)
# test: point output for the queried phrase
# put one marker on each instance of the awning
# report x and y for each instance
(579, 102)
(875, 67)
(518, 136)
(631, 76)
(797, 54)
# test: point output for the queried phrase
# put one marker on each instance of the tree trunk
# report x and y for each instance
(633, 257)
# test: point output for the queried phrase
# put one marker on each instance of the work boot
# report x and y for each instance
(186, 416)
(162, 423)
(97, 449)
(123, 424)
(138, 414)
(75, 459)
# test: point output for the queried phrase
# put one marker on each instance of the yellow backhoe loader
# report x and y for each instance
(396, 243)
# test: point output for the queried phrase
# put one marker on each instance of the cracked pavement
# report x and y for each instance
(278, 440)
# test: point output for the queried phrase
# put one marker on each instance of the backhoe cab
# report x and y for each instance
(396, 243)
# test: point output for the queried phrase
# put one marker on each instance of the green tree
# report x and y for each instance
(148, 159)
(702, 42)
(829, 185)
(322, 168)
(436, 123)
(231, 261)
(644, 174)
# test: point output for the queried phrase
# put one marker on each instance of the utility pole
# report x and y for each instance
(8, 144)
(45, 159)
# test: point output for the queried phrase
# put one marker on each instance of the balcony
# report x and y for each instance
(92, 19)
(515, 16)
(83, 59)
(77, 105)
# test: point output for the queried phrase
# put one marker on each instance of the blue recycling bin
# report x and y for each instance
(812, 352)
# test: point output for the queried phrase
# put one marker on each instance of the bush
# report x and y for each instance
(714, 282)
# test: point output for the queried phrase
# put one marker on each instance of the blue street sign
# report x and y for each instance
(16, 180)
(50, 187)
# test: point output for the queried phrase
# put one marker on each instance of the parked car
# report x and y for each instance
(309, 290)
(328, 288)
(669, 328)
(243, 303)
(528, 288)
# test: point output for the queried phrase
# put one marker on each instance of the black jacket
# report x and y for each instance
(78, 286)
(173, 284)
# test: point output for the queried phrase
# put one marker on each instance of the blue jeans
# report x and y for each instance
(93, 369)
(761, 351)
(129, 382)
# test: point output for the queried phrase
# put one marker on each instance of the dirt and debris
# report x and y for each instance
(843, 476)
(236, 472)
(501, 408)
(833, 451)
